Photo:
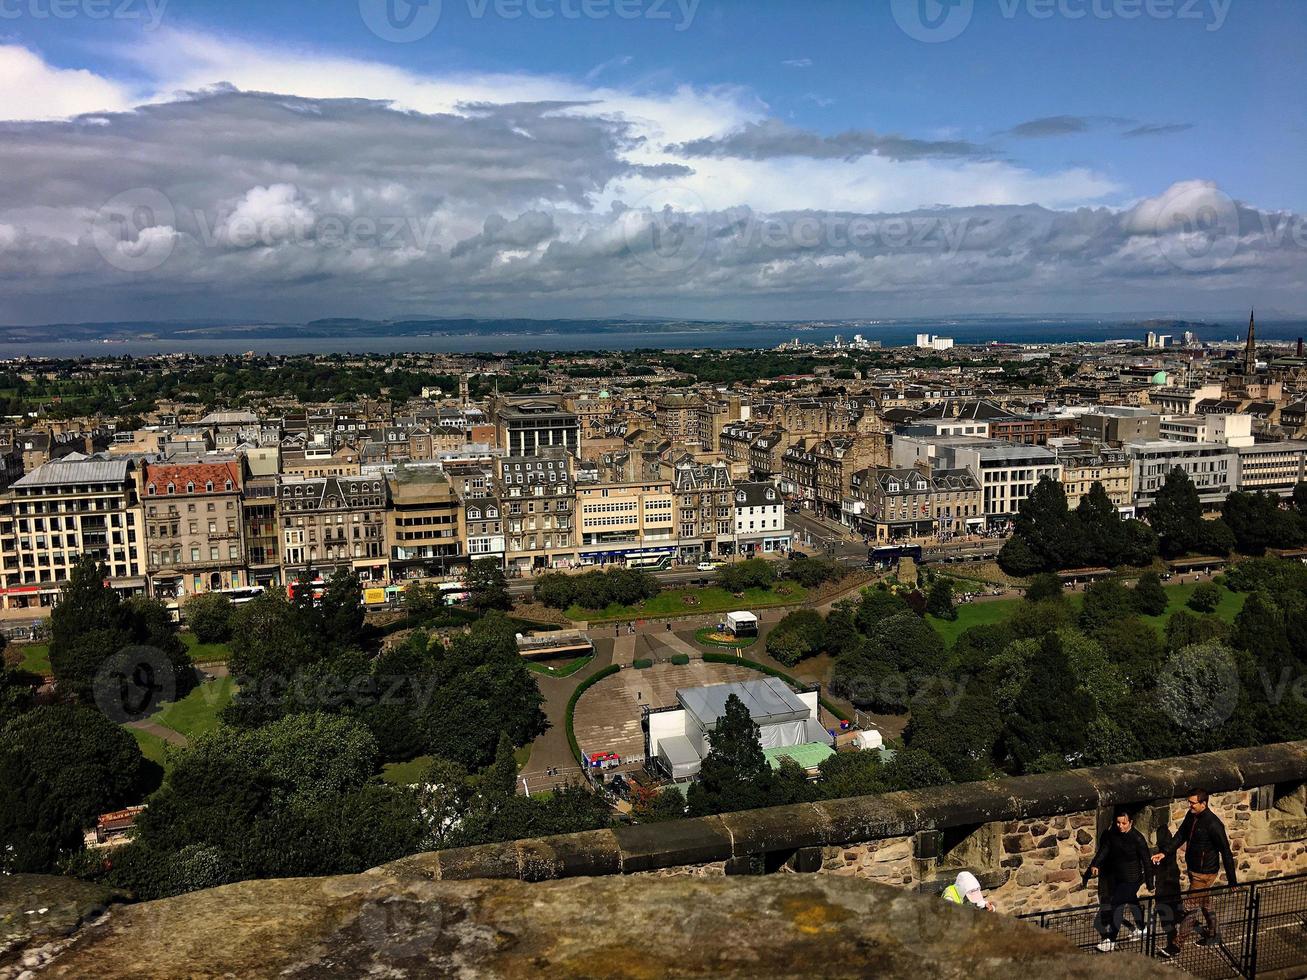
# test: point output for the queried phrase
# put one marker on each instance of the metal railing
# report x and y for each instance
(1261, 928)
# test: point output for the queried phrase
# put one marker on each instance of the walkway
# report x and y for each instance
(169, 735)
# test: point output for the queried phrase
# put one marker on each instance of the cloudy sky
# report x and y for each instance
(700, 158)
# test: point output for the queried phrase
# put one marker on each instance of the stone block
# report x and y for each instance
(587, 854)
(482, 861)
(646, 847)
(776, 829)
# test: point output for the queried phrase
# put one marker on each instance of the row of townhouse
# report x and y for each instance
(172, 528)
(925, 491)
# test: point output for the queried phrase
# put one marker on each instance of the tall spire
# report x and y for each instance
(1250, 348)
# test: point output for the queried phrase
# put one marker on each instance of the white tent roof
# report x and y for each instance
(769, 701)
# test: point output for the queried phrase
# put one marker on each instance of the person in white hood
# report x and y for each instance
(966, 888)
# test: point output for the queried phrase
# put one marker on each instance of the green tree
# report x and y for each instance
(753, 573)
(94, 633)
(1105, 601)
(798, 635)
(1045, 526)
(1149, 595)
(734, 774)
(1050, 715)
(957, 726)
(1018, 558)
(1100, 528)
(1046, 585)
(1257, 522)
(60, 766)
(488, 585)
(877, 604)
(1177, 515)
(939, 601)
(209, 615)
(1205, 597)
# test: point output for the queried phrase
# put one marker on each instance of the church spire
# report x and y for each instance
(1250, 348)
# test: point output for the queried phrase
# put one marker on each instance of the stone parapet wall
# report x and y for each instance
(1027, 838)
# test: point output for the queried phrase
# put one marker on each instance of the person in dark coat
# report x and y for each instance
(1124, 861)
(1207, 849)
(1169, 902)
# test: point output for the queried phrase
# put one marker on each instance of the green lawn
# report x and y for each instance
(198, 712)
(984, 613)
(563, 670)
(406, 773)
(205, 653)
(712, 599)
(152, 746)
(36, 658)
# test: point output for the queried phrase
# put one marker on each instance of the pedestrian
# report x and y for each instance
(1207, 848)
(1124, 862)
(1168, 902)
(966, 888)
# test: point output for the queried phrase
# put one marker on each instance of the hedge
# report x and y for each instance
(581, 688)
(680, 659)
(644, 663)
(724, 658)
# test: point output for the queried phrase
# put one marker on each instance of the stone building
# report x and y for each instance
(538, 495)
(61, 511)
(334, 523)
(194, 527)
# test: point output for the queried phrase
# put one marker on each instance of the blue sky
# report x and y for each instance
(775, 108)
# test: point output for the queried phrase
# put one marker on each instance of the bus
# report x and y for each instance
(649, 560)
(454, 593)
(887, 555)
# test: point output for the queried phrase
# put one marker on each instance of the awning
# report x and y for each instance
(808, 755)
(679, 756)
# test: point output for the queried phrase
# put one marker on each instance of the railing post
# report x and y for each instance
(1251, 932)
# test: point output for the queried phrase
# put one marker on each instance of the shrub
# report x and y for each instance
(812, 572)
(1046, 585)
(596, 589)
(755, 573)
(1205, 598)
(797, 636)
(1149, 595)
(680, 659)
(644, 663)
(209, 617)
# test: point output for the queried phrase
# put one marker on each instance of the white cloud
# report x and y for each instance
(34, 90)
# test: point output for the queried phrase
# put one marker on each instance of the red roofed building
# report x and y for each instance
(194, 533)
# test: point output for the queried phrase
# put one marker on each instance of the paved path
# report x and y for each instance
(159, 731)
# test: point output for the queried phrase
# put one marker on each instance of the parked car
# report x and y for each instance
(706, 566)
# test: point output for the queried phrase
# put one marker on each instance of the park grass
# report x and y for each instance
(986, 613)
(35, 658)
(712, 599)
(406, 773)
(198, 712)
(205, 653)
(152, 746)
(566, 670)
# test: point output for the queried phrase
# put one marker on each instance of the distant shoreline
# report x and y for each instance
(572, 335)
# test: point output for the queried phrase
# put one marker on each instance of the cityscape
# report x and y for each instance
(554, 488)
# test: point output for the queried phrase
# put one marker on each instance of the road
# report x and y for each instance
(824, 538)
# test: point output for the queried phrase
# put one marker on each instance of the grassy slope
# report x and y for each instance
(204, 653)
(711, 600)
(198, 712)
(984, 613)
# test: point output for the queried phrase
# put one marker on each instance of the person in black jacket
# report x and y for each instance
(1167, 897)
(1207, 848)
(1125, 863)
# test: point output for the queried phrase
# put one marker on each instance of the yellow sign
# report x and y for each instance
(374, 596)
